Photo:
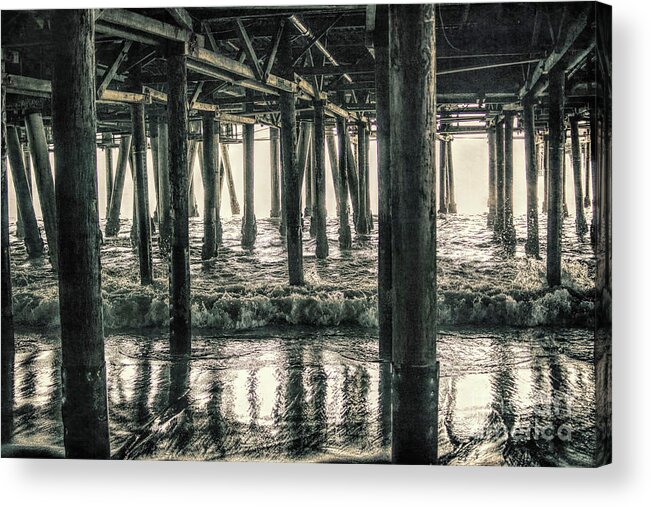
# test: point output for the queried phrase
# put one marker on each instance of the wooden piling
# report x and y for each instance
(177, 118)
(383, 119)
(556, 156)
(274, 155)
(545, 174)
(345, 239)
(291, 186)
(208, 173)
(83, 369)
(492, 177)
(566, 212)
(334, 165)
(579, 215)
(508, 233)
(165, 215)
(499, 180)
(320, 181)
(443, 177)
(586, 164)
(107, 139)
(413, 130)
(113, 220)
(308, 176)
(353, 180)
(362, 224)
(452, 202)
(153, 137)
(31, 234)
(249, 226)
(142, 193)
(532, 246)
(228, 173)
(44, 182)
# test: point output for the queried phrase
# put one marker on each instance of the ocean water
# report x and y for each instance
(280, 373)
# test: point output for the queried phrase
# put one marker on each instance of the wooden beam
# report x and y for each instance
(332, 70)
(181, 16)
(113, 69)
(275, 42)
(317, 38)
(247, 46)
(138, 24)
(20, 84)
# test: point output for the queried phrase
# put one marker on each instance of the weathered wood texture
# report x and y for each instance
(249, 225)
(413, 130)
(555, 192)
(84, 399)
(363, 219)
(274, 156)
(142, 193)
(164, 207)
(532, 246)
(291, 186)
(208, 172)
(345, 239)
(319, 214)
(177, 117)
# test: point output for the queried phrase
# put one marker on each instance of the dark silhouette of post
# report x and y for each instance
(362, 224)
(249, 226)
(532, 246)
(31, 234)
(499, 180)
(113, 219)
(581, 224)
(383, 119)
(586, 163)
(291, 183)
(228, 173)
(556, 156)
(177, 117)
(319, 213)
(492, 177)
(508, 233)
(107, 140)
(334, 165)
(142, 193)
(84, 399)
(545, 173)
(413, 130)
(44, 181)
(353, 180)
(153, 138)
(345, 238)
(209, 167)
(274, 155)
(443, 177)
(165, 210)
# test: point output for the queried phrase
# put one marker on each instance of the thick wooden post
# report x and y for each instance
(545, 173)
(113, 220)
(308, 174)
(177, 118)
(345, 239)
(413, 130)
(319, 212)
(383, 118)
(165, 217)
(228, 172)
(208, 173)
(31, 234)
(586, 163)
(362, 224)
(581, 225)
(291, 183)
(107, 139)
(508, 234)
(84, 400)
(7, 321)
(153, 136)
(334, 164)
(44, 181)
(566, 212)
(443, 177)
(452, 202)
(249, 226)
(142, 193)
(353, 180)
(499, 180)
(556, 156)
(274, 155)
(492, 177)
(193, 209)
(532, 246)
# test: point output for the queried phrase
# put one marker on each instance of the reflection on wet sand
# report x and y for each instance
(522, 397)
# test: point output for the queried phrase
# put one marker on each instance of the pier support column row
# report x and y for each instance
(113, 219)
(334, 166)
(508, 233)
(492, 178)
(345, 238)
(580, 223)
(177, 117)
(84, 398)
(413, 216)
(291, 183)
